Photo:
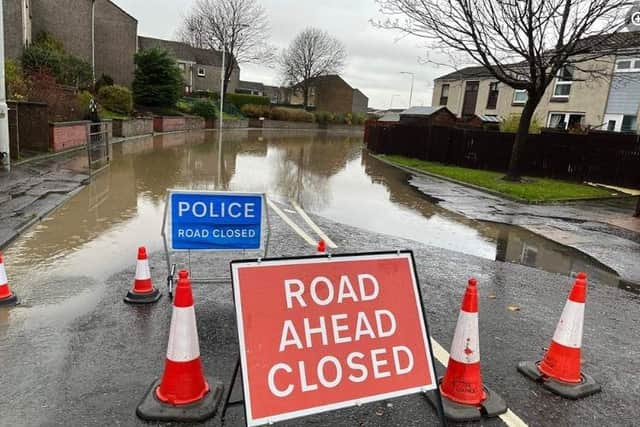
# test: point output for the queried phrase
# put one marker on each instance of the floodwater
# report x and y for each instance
(96, 233)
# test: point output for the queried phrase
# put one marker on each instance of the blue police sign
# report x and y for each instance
(215, 220)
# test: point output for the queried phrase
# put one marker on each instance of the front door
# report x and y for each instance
(470, 99)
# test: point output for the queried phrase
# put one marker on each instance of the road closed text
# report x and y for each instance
(322, 333)
(340, 328)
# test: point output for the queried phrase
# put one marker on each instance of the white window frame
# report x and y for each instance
(561, 82)
(202, 72)
(634, 65)
(515, 96)
(566, 115)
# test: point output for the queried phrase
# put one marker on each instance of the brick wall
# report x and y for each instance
(66, 135)
(28, 127)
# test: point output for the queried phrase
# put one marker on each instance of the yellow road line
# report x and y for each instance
(313, 225)
(291, 224)
(442, 355)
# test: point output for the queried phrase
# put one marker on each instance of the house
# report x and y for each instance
(574, 99)
(331, 93)
(201, 68)
(250, 88)
(97, 31)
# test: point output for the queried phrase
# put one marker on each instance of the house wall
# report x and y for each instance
(211, 80)
(14, 27)
(588, 95)
(116, 36)
(334, 95)
(360, 102)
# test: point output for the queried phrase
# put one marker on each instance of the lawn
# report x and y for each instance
(532, 190)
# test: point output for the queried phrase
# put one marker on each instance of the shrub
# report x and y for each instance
(240, 99)
(47, 55)
(17, 86)
(63, 103)
(339, 118)
(510, 124)
(291, 114)
(323, 117)
(104, 80)
(84, 99)
(157, 80)
(205, 108)
(116, 98)
(256, 111)
(359, 118)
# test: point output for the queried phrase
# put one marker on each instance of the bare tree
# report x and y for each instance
(240, 27)
(312, 54)
(522, 43)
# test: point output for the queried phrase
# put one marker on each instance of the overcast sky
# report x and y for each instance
(375, 57)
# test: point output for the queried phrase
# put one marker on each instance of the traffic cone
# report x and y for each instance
(6, 296)
(322, 248)
(464, 397)
(183, 393)
(143, 291)
(559, 370)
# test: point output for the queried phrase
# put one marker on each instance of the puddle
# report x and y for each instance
(327, 174)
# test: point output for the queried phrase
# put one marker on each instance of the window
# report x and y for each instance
(628, 65)
(520, 96)
(202, 72)
(444, 95)
(629, 124)
(611, 126)
(564, 80)
(565, 120)
(492, 100)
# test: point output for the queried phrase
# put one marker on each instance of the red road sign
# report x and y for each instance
(318, 334)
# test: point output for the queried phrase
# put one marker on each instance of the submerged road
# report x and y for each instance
(89, 359)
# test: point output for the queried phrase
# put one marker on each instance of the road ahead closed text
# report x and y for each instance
(205, 221)
(323, 334)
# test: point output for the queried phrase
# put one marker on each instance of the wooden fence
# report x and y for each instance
(603, 157)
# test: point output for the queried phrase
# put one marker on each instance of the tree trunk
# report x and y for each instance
(305, 89)
(514, 173)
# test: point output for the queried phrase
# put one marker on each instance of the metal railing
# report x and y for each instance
(98, 147)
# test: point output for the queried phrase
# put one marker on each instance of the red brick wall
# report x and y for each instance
(65, 136)
(168, 124)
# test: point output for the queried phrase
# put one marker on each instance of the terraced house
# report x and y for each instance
(601, 94)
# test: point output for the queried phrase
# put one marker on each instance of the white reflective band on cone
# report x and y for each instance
(465, 347)
(183, 337)
(142, 270)
(3, 276)
(569, 330)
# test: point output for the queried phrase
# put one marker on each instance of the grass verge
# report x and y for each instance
(533, 190)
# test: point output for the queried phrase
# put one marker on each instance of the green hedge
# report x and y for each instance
(116, 98)
(240, 100)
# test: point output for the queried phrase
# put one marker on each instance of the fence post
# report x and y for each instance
(637, 214)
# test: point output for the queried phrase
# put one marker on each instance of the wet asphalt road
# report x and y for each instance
(64, 367)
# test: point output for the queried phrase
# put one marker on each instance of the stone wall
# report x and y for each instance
(168, 124)
(132, 127)
(66, 135)
(193, 123)
(227, 124)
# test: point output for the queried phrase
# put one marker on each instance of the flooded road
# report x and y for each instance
(327, 174)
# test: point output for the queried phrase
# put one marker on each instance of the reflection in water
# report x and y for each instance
(96, 233)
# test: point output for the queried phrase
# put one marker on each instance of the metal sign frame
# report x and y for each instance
(166, 224)
(241, 362)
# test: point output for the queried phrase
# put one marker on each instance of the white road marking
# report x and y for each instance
(292, 224)
(442, 355)
(313, 225)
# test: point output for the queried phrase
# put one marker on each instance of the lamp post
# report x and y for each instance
(392, 98)
(412, 79)
(5, 159)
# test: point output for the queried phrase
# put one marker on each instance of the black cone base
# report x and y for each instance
(492, 406)
(151, 297)
(12, 300)
(152, 409)
(586, 387)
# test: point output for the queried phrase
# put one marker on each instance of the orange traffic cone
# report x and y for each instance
(322, 248)
(6, 296)
(464, 397)
(143, 291)
(559, 370)
(183, 393)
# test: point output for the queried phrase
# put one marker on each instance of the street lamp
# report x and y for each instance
(392, 98)
(412, 79)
